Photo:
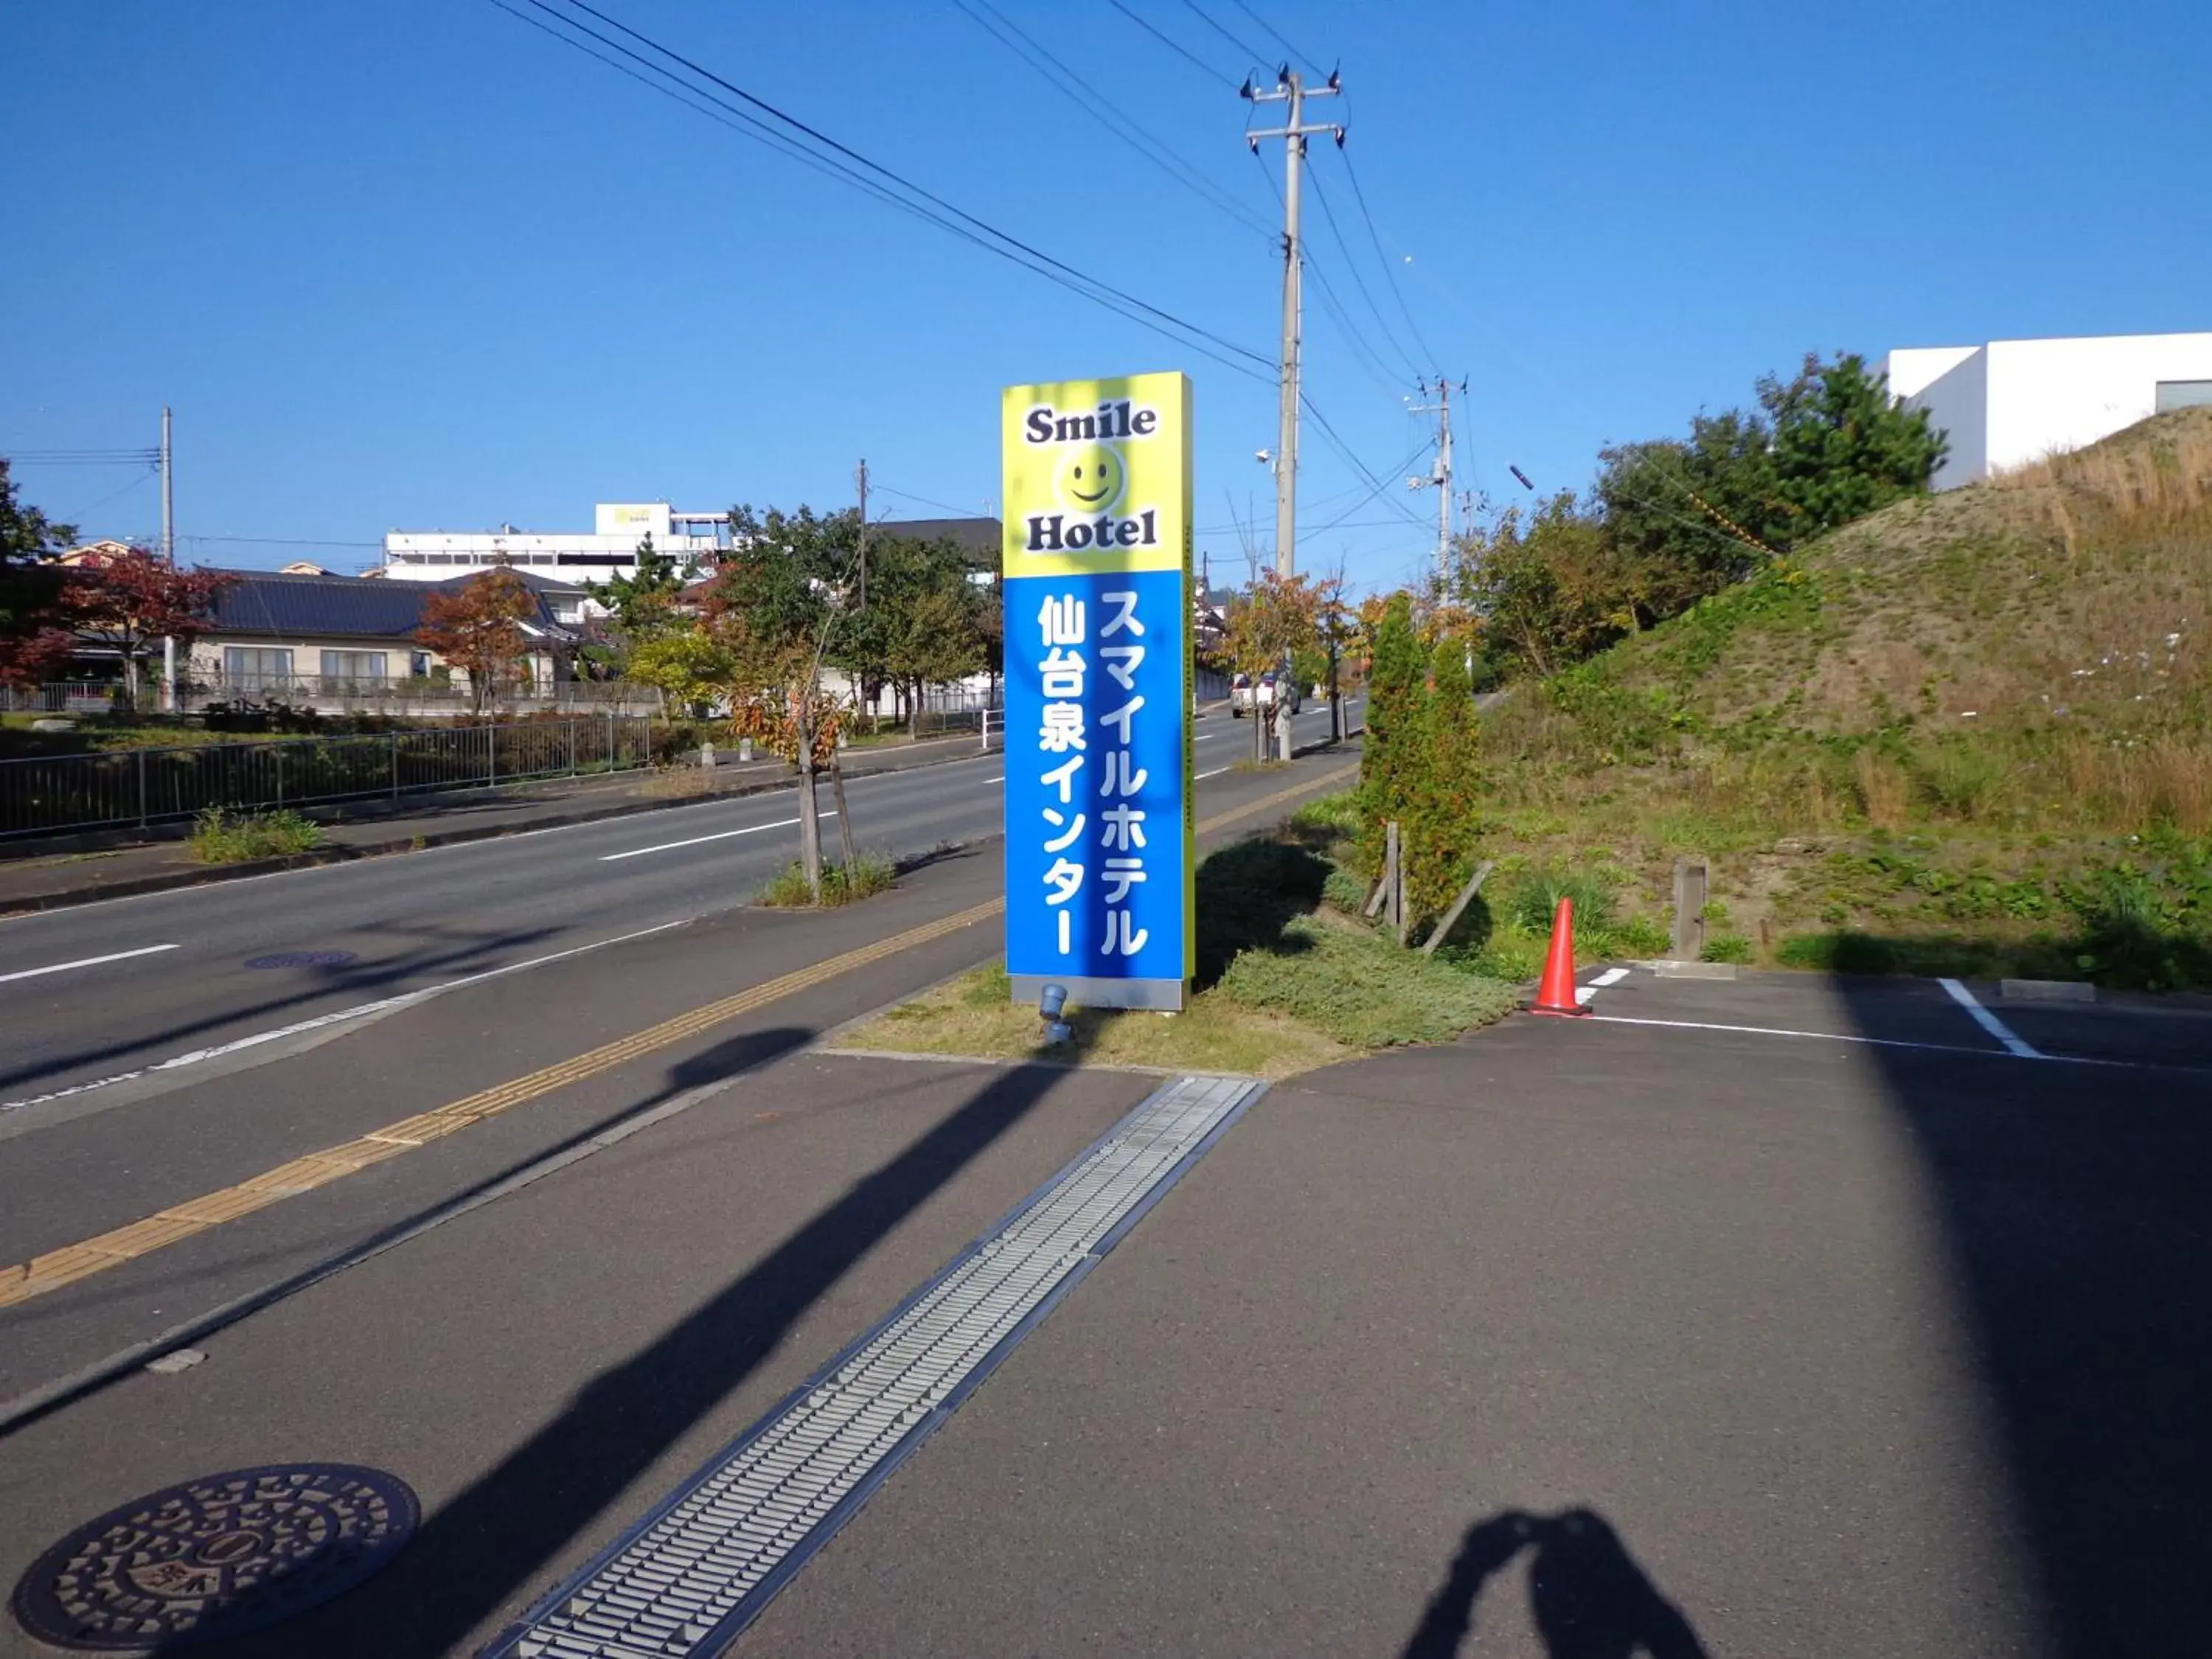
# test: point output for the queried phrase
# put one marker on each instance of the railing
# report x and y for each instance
(48, 794)
(351, 694)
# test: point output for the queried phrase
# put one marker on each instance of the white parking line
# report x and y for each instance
(86, 962)
(1886, 1043)
(1988, 1021)
(382, 1005)
(696, 841)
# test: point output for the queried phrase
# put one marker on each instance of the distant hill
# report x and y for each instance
(2078, 591)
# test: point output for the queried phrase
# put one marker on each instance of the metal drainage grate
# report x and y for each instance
(301, 959)
(216, 1557)
(699, 1569)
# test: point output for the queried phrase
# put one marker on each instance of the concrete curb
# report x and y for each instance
(69, 898)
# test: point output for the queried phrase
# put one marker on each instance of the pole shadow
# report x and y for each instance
(500, 1535)
(1587, 1597)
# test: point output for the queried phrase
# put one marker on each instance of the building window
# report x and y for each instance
(353, 665)
(257, 668)
(2182, 394)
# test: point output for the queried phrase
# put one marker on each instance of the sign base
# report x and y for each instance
(1166, 996)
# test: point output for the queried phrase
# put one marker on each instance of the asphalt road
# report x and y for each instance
(1780, 1317)
(178, 978)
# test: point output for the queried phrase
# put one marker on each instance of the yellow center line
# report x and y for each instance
(165, 1227)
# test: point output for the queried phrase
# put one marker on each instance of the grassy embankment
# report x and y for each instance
(1970, 734)
(1289, 978)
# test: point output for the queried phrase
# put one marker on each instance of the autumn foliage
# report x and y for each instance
(479, 628)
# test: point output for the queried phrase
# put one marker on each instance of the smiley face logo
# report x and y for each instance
(1093, 477)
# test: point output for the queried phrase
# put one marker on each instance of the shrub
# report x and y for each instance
(1726, 947)
(1533, 899)
(871, 873)
(220, 837)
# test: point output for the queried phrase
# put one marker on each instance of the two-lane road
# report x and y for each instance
(104, 991)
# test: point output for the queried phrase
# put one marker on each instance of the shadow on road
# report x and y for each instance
(502, 1534)
(2076, 1201)
(1587, 1597)
(434, 950)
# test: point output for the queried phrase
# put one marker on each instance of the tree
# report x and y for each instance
(1842, 448)
(1417, 762)
(127, 600)
(1281, 618)
(477, 628)
(645, 603)
(926, 624)
(35, 640)
(687, 665)
(1552, 589)
(777, 603)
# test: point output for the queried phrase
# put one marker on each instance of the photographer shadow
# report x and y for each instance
(1587, 1597)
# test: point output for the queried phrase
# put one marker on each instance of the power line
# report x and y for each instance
(1269, 31)
(1382, 259)
(1116, 121)
(991, 239)
(907, 495)
(1173, 46)
(1344, 451)
(1255, 58)
(1352, 265)
(1369, 358)
(1339, 522)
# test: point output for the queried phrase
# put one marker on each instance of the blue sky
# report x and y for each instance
(413, 265)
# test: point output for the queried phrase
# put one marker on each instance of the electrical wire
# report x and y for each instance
(1398, 471)
(1413, 369)
(1176, 46)
(1271, 34)
(906, 495)
(1370, 360)
(1255, 58)
(1118, 122)
(1006, 245)
(1382, 259)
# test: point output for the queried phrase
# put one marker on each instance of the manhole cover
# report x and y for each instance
(302, 959)
(216, 1557)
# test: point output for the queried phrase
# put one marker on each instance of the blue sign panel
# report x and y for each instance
(1099, 830)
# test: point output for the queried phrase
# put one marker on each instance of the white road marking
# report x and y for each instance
(1610, 977)
(1988, 1021)
(86, 962)
(1884, 1043)
(382, 1005)
(1215, 773)
(997, 778)
(696, 841)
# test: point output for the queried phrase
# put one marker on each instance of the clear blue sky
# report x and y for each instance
(413, 265)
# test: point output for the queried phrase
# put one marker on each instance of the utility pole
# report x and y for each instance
(1291, 92)
(169, 554)
(168, 496)
(861, 479)
(1440, 475)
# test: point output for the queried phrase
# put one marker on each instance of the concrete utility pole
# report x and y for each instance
(168, 495)
(861, 479)
(1291, 92)
(1440, 475)
(169, 554)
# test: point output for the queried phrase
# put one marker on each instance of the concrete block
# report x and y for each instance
(1694, 969)
(2047, 990)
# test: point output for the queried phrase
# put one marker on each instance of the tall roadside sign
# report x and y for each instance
(1101, 830)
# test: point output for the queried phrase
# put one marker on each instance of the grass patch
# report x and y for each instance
(221, 838)
(871, 873)
(1286, 982)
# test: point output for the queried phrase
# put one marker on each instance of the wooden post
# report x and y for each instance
(1395, 873)
(1466, 897)
(1690, 888)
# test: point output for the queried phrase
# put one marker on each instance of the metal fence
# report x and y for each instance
(48, 794)
(332, 693)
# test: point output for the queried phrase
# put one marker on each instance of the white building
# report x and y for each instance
(2012, 402)
(609, 550)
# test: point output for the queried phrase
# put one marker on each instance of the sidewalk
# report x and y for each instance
(53, 871)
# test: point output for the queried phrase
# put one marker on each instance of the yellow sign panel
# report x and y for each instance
(1098, 475)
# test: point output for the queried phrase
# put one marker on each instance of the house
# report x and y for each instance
(321, 638)
(2012, 402)
(609, 548)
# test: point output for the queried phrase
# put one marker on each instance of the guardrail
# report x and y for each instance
(49, 794)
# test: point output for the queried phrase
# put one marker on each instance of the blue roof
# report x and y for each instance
(262, 602)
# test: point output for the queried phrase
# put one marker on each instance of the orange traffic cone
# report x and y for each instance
(1555, 992)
